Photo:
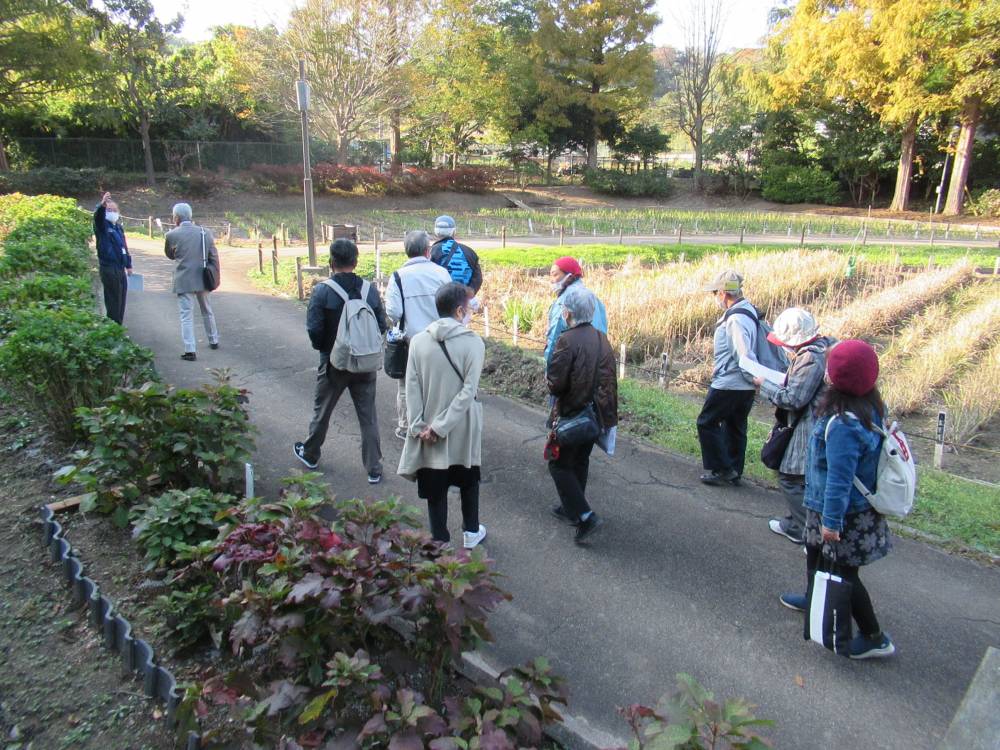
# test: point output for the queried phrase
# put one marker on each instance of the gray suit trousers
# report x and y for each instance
(330, 384)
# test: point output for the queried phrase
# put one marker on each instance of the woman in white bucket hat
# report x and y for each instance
(797, 332)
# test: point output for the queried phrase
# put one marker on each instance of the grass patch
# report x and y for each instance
(957, 509)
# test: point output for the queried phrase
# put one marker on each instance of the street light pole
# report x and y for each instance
(302, 95)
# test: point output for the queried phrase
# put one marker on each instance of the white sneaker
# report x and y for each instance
(471, 538)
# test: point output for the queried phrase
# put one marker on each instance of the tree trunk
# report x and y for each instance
(343, 149)
(147, 151)
(904, 174)
(592, 149)
(4, 163)
(963, 158)
(396, 143)
(697, 144)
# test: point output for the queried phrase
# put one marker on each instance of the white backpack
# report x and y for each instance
(896, 475)
(358, 347)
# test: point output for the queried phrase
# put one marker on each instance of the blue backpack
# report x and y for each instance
(454, 261)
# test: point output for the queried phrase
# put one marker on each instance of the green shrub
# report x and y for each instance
(17, 209)
(653, 183)
(785, 183)
(154, 438)
(35, 291)
(63, 180)
(172, 523)
(60, 360)
(198, 184)
(52, 255)
(986, 203)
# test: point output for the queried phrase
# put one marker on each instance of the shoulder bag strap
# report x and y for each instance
(402, 300)
(451, 362)
(446, 259)
(597, 372)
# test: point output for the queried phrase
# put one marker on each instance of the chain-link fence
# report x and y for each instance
(121, 155)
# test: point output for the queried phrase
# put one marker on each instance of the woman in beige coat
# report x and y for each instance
(443, 445)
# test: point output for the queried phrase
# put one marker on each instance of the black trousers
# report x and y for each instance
(115, 284)
(569, 472)
(722, 429)
(861, 604)
(433, 485)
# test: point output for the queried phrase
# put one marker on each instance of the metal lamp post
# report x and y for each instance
(302, 96)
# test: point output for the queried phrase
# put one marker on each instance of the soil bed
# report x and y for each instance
(59, 688)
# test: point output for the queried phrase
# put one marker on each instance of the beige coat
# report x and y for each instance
(435, 397)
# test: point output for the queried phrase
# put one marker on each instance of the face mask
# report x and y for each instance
(111, 216)
(558, 286)
(720, 302)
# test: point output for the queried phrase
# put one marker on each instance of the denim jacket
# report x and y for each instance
(851, 450)
(557, 325)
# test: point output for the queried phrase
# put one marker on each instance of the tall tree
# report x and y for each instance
(874, 52)
(44, 49)
(972, 54)
(695, 103)
(467, 70)
(595, 54)
(352, 52)
(141, 86)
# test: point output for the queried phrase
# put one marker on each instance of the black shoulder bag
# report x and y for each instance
(583, 426)
(772, 453)
(397, 346)
(209, 272)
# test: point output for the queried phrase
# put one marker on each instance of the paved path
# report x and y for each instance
(683, 578)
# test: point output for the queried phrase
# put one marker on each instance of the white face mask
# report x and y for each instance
(111, 216)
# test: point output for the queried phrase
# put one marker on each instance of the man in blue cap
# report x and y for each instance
(457, 259)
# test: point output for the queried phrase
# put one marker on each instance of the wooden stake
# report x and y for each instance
(621, 362)
(486, 321)
(517, 326)
(298, 277)
(150, 227)
(260, 257)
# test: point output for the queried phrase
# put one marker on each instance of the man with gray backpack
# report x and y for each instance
(345, 323)
(722, 423)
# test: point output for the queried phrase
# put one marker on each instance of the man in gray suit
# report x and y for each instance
(191, 246)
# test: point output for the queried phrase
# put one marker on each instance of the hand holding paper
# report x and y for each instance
(758, 370)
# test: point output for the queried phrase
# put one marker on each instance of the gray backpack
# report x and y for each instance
(358, 347)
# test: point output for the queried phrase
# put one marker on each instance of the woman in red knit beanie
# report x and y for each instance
(841, 525)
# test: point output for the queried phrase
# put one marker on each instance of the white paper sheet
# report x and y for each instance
(759, 371)
(135, 282)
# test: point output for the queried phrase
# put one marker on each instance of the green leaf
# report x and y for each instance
(315, 707)
(88, 503)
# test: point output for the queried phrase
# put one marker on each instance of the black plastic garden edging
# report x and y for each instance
(137, 655)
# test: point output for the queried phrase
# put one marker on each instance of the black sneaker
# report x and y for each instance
(189, 356)
(299, 449)
(719, 478)
(559, 512)
(375, 477)
(586, 529)
(213, 346)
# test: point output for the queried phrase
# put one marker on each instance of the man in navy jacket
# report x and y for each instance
(112, 253)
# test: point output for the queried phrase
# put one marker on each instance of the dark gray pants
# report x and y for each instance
(793, 487)
(115, 285)
(570, 472)
(330, 384)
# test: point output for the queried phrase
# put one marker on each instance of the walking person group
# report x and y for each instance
(825, 446)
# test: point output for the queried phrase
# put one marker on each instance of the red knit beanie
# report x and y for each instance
(852, 367)
(569, 265)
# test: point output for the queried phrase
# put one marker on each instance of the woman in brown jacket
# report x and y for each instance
(582, 370)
